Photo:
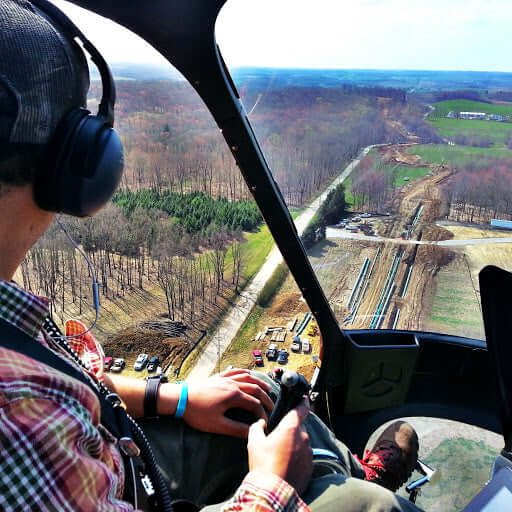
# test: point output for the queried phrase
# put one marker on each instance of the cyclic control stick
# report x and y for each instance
(293, 388)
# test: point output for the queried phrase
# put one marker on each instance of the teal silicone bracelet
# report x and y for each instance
(182, 402)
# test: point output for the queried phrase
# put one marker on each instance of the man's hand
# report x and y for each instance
(208, 401)
(286, 451)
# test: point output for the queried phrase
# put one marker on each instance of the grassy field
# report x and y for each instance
(443, 107)
(471, 232)
(465, 467)
(495, 130)
(404, 171)
(455, 308)
(456, 155)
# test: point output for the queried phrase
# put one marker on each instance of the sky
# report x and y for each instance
(361, 34)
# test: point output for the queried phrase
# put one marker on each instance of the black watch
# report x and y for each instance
(151, 395)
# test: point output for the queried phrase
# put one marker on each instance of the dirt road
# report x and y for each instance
(332, 232)
(229, 326)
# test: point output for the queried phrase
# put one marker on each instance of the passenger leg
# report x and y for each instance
(208, 468)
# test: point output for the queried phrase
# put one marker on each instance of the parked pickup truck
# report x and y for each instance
(272, 352)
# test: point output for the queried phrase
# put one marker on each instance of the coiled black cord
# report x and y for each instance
(147, 455)
(161, 490)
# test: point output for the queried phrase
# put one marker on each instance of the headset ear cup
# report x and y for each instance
(94, 169)
(46, 190)
(84, 166)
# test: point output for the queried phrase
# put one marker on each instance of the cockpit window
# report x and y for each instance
(388, 130)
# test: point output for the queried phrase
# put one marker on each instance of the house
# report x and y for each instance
(472, 115)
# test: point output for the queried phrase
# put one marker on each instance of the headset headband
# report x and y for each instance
(108, 98)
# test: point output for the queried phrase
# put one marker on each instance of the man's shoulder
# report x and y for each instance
(22, 377)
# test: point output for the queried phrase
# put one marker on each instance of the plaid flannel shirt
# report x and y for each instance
(55, 455)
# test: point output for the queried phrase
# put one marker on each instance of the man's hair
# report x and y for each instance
(43, 75)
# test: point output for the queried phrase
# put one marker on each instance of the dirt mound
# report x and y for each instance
(288, 304)
(433, 232)
(399, 155)
(434, 257)
(133, 341)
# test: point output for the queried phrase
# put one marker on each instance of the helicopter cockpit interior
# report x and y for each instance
(411, 326)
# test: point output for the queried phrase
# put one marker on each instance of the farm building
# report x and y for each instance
(472, 115)
(502, 224)
(496, 117)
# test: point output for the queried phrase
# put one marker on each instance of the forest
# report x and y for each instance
(481, 190)
(179, 220)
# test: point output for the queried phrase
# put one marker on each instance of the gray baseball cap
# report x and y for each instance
(43, 74)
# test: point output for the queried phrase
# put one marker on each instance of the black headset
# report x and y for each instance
(84, 161)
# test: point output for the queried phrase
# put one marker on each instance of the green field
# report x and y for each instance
(464, 466)
(404, 171)
(456, 155)
(495, 130)
(399, 171)
(455, 308)
(443, 107)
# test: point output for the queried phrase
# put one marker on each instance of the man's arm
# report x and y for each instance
(208, 400)
(280, 467)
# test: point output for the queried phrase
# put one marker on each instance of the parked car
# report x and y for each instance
(366, 215)
(341, 225)
(140, 362)
(118, 365)
(107, 363)
(153, 363)
(282, 358)
(356, 219)
(295, 346)
(306, 346)
(272, 352)
(258, 358)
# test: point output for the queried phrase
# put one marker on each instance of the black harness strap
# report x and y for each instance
(14, 339)
(114, 419)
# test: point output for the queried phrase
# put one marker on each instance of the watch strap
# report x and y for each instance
(151, 397)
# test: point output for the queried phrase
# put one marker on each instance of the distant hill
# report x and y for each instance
(256, 78)
(410, 80)
(138, 71)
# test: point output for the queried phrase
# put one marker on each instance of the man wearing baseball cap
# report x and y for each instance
(57, 452)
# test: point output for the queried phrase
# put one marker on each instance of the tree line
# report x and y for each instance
(372, 186)
(140, 251)
(330, 212)
(481, 190)
(307, 133)
(195, 211)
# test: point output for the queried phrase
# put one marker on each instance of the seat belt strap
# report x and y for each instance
(15, 339)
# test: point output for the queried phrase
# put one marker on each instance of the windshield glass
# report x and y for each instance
(398, 178)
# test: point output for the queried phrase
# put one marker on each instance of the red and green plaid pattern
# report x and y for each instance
(22, 309)
(55, 455)
(265, 492)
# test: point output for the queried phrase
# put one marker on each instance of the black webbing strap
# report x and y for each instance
(14, 339)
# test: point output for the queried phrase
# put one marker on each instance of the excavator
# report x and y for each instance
(371, 376)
